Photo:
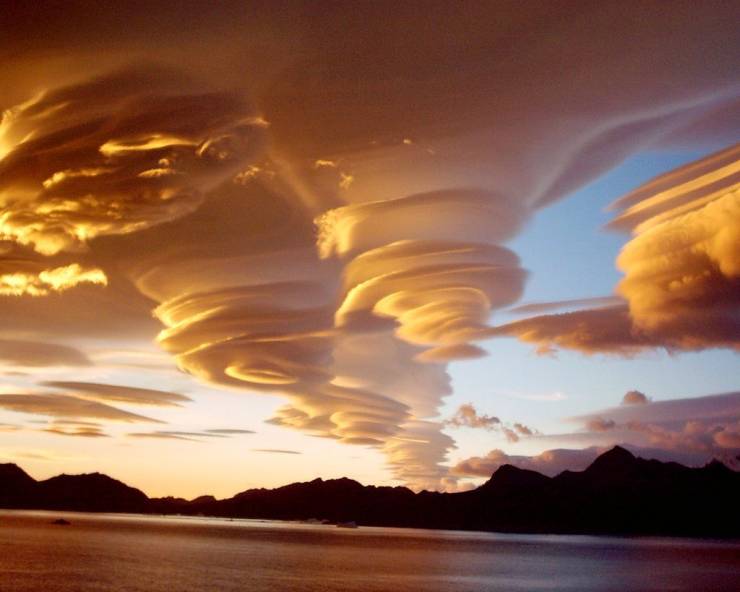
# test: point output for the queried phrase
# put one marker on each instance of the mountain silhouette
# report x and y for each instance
(93, 492)
(617, 494)
(16, 486)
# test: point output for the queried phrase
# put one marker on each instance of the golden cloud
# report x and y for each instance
(57, 279)
(116, 154)
(682, 268)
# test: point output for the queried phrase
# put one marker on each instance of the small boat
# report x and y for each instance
(61, 522)
(350, 524)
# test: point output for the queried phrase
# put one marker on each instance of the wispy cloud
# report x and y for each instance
(275, 451)
(66, 406)
(40, 354)
(120, 394)
(80, 431)
(162, 436)
(192, 435)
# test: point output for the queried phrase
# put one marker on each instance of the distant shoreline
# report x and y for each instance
(618, 494)
(224, 520)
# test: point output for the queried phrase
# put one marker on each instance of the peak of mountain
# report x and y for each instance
(10, 472)
(618, 494)
(15, 485)
(717, 466)
(511, 477)
(339, 482)
(203, 499)
(616, 459)
(90, 492)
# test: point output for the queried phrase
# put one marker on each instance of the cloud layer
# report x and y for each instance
(119, 394)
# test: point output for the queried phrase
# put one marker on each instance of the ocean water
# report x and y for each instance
(167, 554)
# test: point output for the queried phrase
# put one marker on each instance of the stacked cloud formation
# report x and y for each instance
(356, 330)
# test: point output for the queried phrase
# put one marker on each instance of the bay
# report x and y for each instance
(114, 552)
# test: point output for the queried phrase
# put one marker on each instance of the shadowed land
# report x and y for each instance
(617, 494)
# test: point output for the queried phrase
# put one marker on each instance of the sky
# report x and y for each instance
(259, 243)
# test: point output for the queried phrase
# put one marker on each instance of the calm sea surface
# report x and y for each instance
(128, 552)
